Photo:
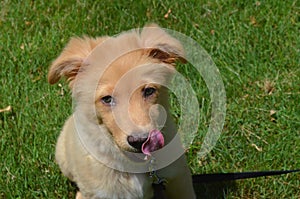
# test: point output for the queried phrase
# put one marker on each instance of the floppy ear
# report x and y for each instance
(166, 57)
(161, 45)
(71, 59)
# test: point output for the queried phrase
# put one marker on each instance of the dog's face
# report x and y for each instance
(132, 88)
(127, 96)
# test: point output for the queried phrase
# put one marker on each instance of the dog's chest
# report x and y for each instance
(131, 186)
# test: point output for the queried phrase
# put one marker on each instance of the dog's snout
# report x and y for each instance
(136, 141)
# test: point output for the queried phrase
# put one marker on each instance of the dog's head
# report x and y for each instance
(131, 73)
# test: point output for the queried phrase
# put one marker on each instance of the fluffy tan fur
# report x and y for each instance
(94, 69)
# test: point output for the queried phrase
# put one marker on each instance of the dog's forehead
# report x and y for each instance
(122, 83)
(114, 56)
(114, 47)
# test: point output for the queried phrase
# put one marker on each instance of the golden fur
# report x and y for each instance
(122, 67)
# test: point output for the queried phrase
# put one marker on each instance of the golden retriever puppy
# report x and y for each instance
(121, 138)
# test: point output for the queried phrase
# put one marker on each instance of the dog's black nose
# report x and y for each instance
(136, 141)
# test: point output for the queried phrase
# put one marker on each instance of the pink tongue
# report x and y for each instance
(154, 142)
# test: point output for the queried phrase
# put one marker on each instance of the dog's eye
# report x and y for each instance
(147, 92)
(108, 100)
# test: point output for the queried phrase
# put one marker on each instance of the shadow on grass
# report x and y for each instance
(216, 190)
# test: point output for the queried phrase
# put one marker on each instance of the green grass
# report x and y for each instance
(255, 44)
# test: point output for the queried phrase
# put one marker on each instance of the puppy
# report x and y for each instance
(121, 137)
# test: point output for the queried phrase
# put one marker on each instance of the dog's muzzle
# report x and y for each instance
(136, 141)
(147, 143)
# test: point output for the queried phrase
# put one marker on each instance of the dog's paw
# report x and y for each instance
(78, 195)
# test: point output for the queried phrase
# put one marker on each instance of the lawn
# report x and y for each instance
(254, 44)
